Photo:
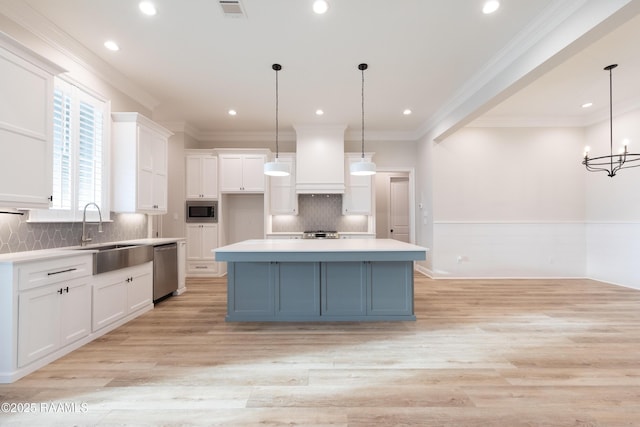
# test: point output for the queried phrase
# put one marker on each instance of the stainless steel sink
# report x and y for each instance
(110, 256)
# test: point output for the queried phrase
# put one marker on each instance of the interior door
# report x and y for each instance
(399, 224)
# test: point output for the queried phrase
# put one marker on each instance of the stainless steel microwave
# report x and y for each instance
(202, 211)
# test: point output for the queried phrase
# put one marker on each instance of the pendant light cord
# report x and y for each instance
(276, 67)
(362, 67)
(611, 114)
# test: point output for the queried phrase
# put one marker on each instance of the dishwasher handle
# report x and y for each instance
(166, 247)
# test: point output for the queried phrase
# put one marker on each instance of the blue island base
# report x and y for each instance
(320, 291)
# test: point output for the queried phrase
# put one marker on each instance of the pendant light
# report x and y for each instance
(363, 167)
(276, 168)
(613, 162)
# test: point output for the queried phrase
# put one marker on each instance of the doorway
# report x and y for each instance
(394, 219)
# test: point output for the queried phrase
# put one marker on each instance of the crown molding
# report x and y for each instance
(53, 36)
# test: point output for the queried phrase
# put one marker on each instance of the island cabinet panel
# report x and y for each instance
(344, 288)
(297, 289)
(320, 291)
(250, 291)
(390, 288)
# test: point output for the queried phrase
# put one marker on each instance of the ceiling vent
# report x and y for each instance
(232, 8)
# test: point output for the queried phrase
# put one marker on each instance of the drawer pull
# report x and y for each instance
(201, 266)
(61, 271)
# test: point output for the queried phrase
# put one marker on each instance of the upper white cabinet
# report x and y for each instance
(201, 176)
(358, 189)
(139, 164)
(242, 173)
(282, 189)
(26, 126)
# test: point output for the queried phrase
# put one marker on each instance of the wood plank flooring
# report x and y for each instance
(482, 353)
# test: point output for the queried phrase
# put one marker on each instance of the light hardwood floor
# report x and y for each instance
(482, 353)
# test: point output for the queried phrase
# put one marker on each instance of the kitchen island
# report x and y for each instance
(320, 280)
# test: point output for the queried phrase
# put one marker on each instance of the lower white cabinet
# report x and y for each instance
(120, 293)
(51, 317)
(201, 240)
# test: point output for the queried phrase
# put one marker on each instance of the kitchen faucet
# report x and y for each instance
(85, 237)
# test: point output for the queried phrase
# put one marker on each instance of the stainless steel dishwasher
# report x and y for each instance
(165, 270)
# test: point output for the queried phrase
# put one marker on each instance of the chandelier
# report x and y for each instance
(612, 163)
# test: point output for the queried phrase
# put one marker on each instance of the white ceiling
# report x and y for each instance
(191, 64)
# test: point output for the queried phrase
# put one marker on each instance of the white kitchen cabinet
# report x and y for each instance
(357, 196)
(139, 164)
(122, 293)
(45, 307)
(26, 126)
(182, 265)
(282, 189)
(51, 317)
(201, 240)
(242, 173)
(201, 176)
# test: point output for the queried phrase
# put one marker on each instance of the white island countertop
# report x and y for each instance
(297, 250)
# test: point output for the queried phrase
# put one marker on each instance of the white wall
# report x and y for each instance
(424, 201)
(509, 202)
(613, 207)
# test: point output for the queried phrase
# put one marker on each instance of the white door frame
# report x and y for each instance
(412, 197)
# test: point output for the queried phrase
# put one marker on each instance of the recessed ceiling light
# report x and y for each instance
(147, 8)
(111, 45)
(587, 104)
(232, 112)
(490, 6)
(407, 112)
(319, 112)
(320, 6)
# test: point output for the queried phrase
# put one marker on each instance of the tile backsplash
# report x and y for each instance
(319, 212)
(18, 235)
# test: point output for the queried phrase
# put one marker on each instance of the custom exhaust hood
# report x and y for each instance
(320, 159)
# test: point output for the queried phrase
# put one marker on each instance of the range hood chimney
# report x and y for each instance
(320, 159)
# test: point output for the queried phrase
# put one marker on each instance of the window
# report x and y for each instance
(80, 135)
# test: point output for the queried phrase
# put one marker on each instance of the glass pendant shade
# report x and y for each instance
(363, 168)
(276, 168)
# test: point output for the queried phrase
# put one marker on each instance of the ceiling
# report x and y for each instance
(190, 64)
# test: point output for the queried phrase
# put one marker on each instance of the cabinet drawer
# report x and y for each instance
(41, 273)
(202, 267)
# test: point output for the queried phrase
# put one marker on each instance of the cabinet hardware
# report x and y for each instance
(61, 271)
(201, 266)
(50, 198)
(67, 289)
(59, 291)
